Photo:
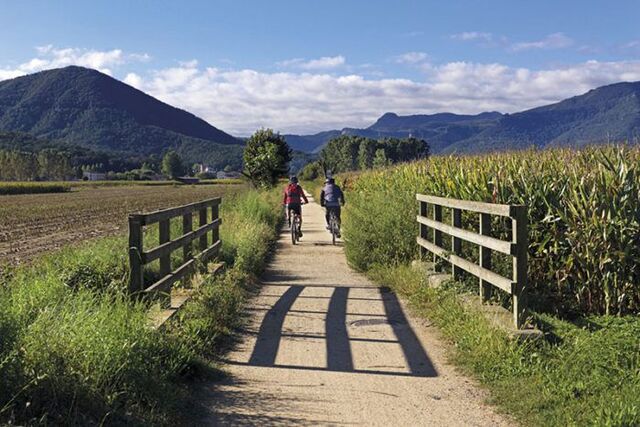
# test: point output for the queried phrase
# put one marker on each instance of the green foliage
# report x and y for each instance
(311, 172)
(75, 349)
(584, 216)
(587, 373)
(348, 153)
(172, 165)
(266, 158)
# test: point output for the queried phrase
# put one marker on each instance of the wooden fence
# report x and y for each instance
(516, 248)
(138, 257)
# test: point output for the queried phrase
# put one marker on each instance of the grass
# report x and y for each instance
(583, 209)
(585, 373)
(12, 188)
(74, 349)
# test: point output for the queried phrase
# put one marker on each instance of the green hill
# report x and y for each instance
(84, 107)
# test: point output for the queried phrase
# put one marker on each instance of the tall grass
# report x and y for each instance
(583, 206)
(75, 349)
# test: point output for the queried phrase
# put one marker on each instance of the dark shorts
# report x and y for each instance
(295, 207)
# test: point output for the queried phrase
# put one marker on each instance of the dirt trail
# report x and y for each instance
(324, 346)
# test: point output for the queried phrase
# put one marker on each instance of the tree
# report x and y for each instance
(266, 158)
(172, 165)
(380, 160)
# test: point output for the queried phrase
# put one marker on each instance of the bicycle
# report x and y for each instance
(294, 222)
(334, 226)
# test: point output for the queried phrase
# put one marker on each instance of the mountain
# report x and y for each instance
(84, 107)
(608, 113)
(440, 130)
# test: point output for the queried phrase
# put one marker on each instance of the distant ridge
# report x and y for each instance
(608, 113)
(84, 107)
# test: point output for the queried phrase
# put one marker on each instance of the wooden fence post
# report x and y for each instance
(520, 237)
(437, 234)
(456, 243)
(136, 277)
(201, 222)
(485, 256)
(423, 229)
(165, 236)
(187, 227)
(215, 214)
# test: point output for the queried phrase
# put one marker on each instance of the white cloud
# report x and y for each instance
(324, 63)
(552, 41)
(51, 57)
(473, 35)
(303, 101)
(411, 58)
(240, 101)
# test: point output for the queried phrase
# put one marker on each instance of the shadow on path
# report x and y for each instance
(338, 342)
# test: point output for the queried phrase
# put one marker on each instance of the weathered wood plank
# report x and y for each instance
(485, 257)
(172, 245)
(135, 255)
(187, 227)
(456, 242)
(437, 234)
(480, 207)
(520, 235)
(203, 221)
(423, 228)
(487, 275)
(153, 217)
(165, 236)
(507, 248)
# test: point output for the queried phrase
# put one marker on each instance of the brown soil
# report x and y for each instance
(36, 223)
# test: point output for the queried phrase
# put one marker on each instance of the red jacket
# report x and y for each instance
(293, 194)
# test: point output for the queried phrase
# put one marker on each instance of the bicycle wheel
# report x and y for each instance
(293, 227)
(334, 227)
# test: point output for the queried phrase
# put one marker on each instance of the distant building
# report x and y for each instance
(93, 176)
(202, 168)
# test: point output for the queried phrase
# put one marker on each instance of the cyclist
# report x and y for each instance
(293, 196)
(332, 197)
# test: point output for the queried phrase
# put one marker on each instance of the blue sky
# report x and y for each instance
(305, 66)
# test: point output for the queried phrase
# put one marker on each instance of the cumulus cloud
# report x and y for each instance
(305, 99)
(324, 63)
(51, 57)
(411, 58)
(552, 41)
(240, 101)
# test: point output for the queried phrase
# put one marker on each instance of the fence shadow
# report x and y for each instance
(339, 354)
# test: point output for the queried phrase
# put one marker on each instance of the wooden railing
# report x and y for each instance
(138, 257)
(516, 248)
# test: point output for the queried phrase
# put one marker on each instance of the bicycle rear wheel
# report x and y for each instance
(333, 224)
(293, 229)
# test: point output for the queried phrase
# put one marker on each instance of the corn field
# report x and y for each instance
(584, 218)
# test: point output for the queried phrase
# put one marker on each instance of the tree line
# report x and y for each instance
(24, 166)
(351, 152)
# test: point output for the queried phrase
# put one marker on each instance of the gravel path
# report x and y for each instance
(324, 346)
